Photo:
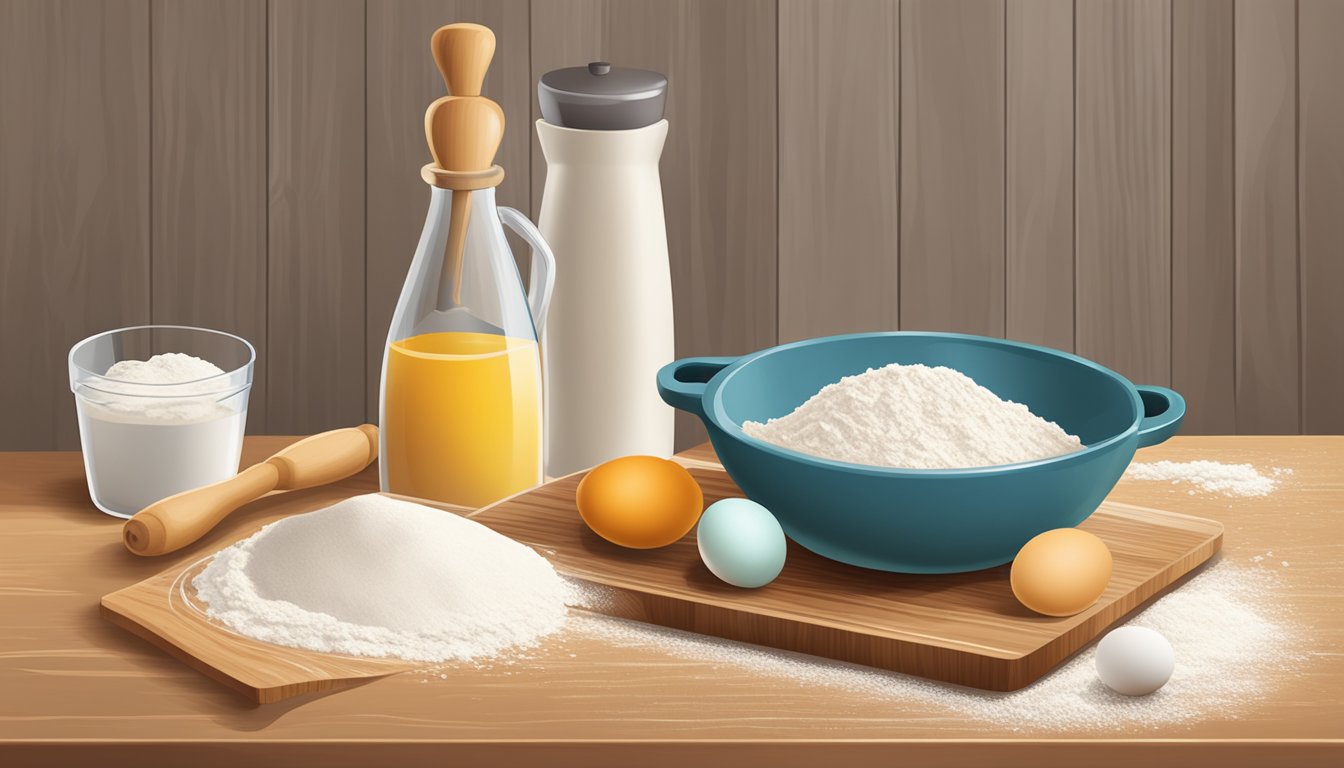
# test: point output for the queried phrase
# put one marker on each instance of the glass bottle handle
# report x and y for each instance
(543, 263)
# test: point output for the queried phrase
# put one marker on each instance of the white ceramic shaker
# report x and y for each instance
(610, 323)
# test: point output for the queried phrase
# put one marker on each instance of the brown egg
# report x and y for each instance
(640, 502)
(1061, 572)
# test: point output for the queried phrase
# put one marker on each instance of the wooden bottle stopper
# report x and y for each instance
(463, 52)
(463, 130)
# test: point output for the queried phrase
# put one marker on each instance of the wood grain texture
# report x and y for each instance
(966, 629)
(1187, 148)
(1123, 186)
(80, 691)
(164, 611)
(74, 198)
(209, 173)
(1268, 342)
(402, 80)
(1039, 158)
(709, 752)
(952, 166)
(719, 164)
(839, 172)
(1321, 201)
(1203, 252)
(315, 289)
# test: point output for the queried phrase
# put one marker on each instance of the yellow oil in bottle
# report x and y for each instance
(462, 417)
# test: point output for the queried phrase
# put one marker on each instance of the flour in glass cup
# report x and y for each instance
(153, 428)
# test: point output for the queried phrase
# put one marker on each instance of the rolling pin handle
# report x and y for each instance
(172, 523)
(144, 534)
(325, 458)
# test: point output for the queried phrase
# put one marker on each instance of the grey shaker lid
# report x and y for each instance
(600, 97)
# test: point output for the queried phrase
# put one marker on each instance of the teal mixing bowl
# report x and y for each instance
(923, 521)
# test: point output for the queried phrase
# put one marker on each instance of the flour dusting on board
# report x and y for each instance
(916, 417)
(1231, 645)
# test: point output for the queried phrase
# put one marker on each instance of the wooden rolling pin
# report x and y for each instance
(168, 525)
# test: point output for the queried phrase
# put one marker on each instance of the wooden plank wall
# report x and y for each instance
(1320, 198)
(74, 198)
(1156, 184)
(1039, 162)
(1203, 262)
(952, 167)
(1122, 183)
(1268, 328)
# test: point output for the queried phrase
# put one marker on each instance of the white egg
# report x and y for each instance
(741, 543)
(1135, 661)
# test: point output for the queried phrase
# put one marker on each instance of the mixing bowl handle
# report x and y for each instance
(1163, 412)
(681, 383)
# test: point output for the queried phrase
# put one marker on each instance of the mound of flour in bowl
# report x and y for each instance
(916, 417)
(374, 576)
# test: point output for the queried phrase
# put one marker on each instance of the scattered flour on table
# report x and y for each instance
(373, 576)
(916, 417)
(1223, 624)
(1211, 476)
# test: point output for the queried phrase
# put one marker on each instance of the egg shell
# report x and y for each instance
(741, 543)
(1135, 661)
(1061, 572)
(641, 502)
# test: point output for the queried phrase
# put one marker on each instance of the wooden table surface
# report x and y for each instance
(76, 690)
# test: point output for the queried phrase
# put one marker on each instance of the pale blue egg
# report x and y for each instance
(741, 542)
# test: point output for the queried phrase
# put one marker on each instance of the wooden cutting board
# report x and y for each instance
(964, 628)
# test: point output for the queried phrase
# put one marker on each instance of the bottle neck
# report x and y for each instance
(482, 200)
(462, 180)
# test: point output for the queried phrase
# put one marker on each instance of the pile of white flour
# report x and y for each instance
(373, 576)
(916, 417)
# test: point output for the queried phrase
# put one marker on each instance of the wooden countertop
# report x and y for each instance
(76, 690)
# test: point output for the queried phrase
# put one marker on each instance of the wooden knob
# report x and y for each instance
(463, 53)
(464, 132)
(168, 525)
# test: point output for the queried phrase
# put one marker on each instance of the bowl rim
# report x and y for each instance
(716, 413)
(90, 380)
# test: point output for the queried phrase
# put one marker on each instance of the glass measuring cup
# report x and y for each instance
(143, 442)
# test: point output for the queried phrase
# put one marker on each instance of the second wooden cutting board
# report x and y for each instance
(964, 628)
